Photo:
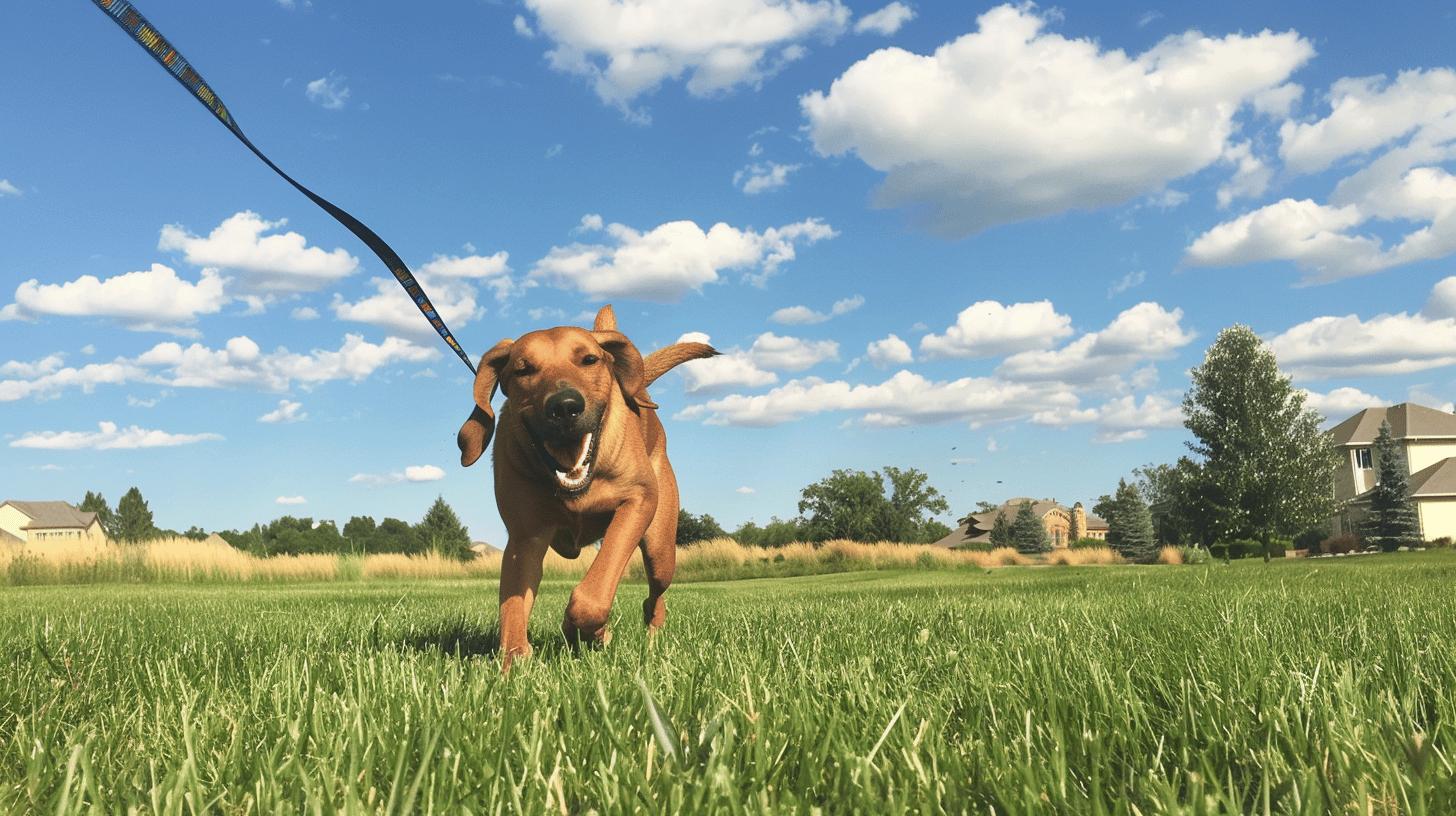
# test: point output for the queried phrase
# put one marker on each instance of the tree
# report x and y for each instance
(1028, 533)
(1266, 466)
(1130, 529)
(441, 531)
(397, 536)
(1392, 521)
(691, 528)
(846, 504)
(96, 503)
(195, 533)
(1001, 532)
(903, 516)
(359, 532)
(134, 518)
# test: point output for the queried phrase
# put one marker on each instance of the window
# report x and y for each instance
(1362, 458)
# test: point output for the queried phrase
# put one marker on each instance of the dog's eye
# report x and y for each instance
(590, 359)
(525, 369)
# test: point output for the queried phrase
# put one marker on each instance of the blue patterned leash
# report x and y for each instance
(146, 35)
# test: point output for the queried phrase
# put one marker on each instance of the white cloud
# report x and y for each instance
(1277, 102)
(759, 177)
(88, 349)
(886, 21)
(778, 353)
(906, 398)
(305, 313)
(804, 316)
(1143, 332)
(754, 367)
(328, 92)
(108, 437)
(49, 364)
(8, 189)
(155, 299)
(627, 49)
(287, 411)
(1442, 302)
(1011, 122)
(1340, 403)
(268, 263)
(241, 364)
(412, 473)
(449, 281)
(1329, 347)
(672, 259)
(889, 351)
(523, 28)
(1367, 112)
(1134, 278)
(987, 329)
(733, 369)
(1119, 420)
(48, 383)
(745, 490)
(290, 500)
(1251, 175)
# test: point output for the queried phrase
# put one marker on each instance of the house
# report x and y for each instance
(42, 522)
(1063, 524)
(1427, 437)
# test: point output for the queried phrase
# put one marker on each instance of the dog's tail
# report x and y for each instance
(669, 357)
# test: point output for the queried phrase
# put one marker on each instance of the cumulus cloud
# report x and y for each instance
(886, 21)
(290, 500)
(675, 258)
(287, 411)
(412, 473)
(1119, 420)
(755, 366)
(1350, 346)
(626, 49)
(889, 351)
(1340, 403)
(329, 93)
(760, 177)
(780, 353)
(451, 283)
(155, 299)
(804, 316)
(1011, 122)
(1144, 332)
(987, 329)
(1412, 119)
(8, 189)
(48, 377)
(277, 263)
(108, 436)
(240, 363)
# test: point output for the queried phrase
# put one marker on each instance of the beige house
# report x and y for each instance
(43, 522)
(1063, 524)
(1427, 437)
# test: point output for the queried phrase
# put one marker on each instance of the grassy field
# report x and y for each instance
(1296, 687)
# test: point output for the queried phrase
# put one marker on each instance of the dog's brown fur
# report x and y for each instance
(632, 497)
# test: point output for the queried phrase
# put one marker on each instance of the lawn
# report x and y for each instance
(1297, 687)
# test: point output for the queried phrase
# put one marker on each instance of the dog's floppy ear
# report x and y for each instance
(626, 364)
(606, 319)
(475, 434)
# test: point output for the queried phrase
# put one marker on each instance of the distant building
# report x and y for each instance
(45, 522)
(1428, 439)
(1063, 524)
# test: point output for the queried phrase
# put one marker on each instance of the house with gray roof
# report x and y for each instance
(1063, 524)
(1428, 439)
(46, 522)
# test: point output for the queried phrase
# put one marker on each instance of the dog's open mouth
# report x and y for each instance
(575, 478)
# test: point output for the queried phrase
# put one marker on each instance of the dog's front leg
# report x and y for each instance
(591, 601)
(520, 579)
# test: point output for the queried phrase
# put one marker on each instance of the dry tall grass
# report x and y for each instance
(186, 560)
(1170, 555)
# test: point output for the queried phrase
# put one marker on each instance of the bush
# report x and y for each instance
(1340, 544)
(1194, 555)
(1441, 543)
(1087, 543)
(1239, 548)
(1170, 555)
(1310, 539)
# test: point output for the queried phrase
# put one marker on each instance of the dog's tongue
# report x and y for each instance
(571, 455)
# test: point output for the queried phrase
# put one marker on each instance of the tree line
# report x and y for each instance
(439, 531)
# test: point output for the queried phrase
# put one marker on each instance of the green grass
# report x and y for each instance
(1300, 687)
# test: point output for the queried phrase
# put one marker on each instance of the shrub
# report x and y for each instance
(1238, 548)
(1170, 555)
(1310, 539)
(1339, 544)
(1068, 557)
(1086, 543)
(1194, 555)
(1443, 542)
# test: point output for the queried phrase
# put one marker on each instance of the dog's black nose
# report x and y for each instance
(565, 406)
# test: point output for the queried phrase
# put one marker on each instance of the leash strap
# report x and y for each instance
(146, 35)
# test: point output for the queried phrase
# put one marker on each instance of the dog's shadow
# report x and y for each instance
(462, 638)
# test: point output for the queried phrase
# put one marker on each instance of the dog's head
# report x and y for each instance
(560, 382)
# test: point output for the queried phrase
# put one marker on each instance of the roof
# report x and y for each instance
(1407, 421)
(7, 538)
(1437, 480)
(1096, 522)
(49, 515)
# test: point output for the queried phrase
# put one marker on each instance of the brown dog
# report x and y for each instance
(581, 456)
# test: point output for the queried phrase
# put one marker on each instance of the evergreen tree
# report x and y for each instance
(442, 532)
(1001, 531)
(1130, 530)
(1028, 532)
(1266, 464)
(1392, 522)
(134, 518)
(96, 503)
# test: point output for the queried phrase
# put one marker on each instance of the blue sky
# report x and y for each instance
(984, 241)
